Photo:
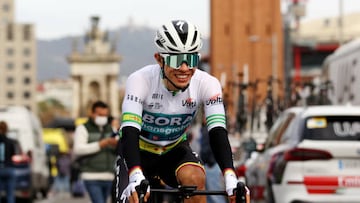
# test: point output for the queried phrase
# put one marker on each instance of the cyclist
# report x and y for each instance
(160, 102)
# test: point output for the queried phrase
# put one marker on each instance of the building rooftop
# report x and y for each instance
(328, 29)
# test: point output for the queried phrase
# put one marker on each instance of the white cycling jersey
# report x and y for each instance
(163, 116)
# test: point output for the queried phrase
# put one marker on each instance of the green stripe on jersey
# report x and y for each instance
(216, 118)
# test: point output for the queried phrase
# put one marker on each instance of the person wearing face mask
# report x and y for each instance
(95, 146)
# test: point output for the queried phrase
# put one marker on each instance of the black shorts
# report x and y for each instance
(165, 166)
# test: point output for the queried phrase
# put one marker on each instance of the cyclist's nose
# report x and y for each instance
(184, 66)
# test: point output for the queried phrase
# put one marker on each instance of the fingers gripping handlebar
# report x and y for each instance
(142, 189)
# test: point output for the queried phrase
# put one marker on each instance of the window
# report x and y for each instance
(27, 32)
(10, 66)
(278, 129)
(10, 80)
(27, 66)
(27, 80)
(10, 95)
(10, 51)
(10, 32)
(27, 95)
(6, 7)
(333, 128)
(27, 52)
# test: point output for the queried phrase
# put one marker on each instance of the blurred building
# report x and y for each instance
(57, 89)
(95, 72)
(246, 50)
(316, 39)
(17, 59)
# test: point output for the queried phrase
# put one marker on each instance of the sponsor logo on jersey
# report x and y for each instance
(167, 120)
(164, 126)
(189, 102)
(134, 98)
(157, 96)
(155, 105)
(216, 99)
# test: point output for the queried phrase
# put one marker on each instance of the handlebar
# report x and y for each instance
(188, 191)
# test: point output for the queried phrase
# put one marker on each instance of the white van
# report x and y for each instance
(25, 127)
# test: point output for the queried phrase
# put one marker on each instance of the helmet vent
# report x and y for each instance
(193, 49)
(183, 37)
(171, 49)
(170, 38)
(159, 43)
(194, 39)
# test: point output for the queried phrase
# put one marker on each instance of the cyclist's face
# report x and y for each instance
(180, 77)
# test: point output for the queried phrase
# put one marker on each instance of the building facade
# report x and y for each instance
(95, 72)
(316, 39)
(246, 51)
(18, 66)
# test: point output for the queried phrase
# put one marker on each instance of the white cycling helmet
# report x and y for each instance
(178, 37)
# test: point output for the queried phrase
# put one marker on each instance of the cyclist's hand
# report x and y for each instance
(135, 178)
(231, 183)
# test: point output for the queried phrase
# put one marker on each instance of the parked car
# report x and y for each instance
(312, 154)
(22, 167)
(25, 127)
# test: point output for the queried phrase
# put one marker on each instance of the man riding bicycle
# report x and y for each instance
(160, 102)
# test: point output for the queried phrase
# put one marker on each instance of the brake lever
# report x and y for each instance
(142, 189)
(240, 193)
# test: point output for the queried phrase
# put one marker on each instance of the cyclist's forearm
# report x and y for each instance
(130, 144)
(221, 147)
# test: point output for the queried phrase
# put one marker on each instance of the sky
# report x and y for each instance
(58, 18)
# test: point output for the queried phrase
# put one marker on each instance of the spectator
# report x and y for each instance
(7, 174)
(94, 143)
(62, 180)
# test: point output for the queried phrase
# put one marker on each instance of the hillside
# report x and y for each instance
(135, 45)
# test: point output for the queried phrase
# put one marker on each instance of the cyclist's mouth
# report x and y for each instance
(182, 77)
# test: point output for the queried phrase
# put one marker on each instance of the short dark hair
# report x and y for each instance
(98, 104)
(3, 127)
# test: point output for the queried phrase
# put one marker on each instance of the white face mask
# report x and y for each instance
(101, 120)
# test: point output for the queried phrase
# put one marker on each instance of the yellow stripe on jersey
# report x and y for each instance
(156, 149)
(130, 117)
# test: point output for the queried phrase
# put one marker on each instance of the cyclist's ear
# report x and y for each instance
(159, 59)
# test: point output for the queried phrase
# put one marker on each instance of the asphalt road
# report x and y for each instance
(64, 198)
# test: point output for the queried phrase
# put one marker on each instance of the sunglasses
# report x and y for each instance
(175, 61)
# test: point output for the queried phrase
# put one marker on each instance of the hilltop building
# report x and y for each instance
(95, 72)
(18, 66)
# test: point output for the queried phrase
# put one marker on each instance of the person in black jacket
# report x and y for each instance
(214, 180)
(7, 174)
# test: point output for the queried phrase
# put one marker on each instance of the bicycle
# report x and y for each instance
(185, 192)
